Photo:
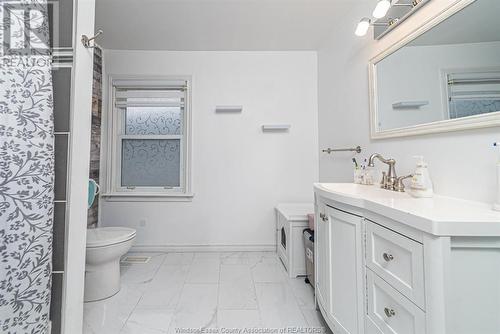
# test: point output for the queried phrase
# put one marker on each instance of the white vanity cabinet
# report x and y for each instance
(387, 263)
(338, 239)
(397, 259)
(395, 293)
(322, 266)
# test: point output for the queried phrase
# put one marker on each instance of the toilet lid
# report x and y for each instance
(106, 236)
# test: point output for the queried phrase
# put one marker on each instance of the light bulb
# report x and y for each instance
(362, 27)
(381, 8)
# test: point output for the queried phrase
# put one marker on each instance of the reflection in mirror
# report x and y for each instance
(451, 71)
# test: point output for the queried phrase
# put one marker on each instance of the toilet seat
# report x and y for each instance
(108, 236)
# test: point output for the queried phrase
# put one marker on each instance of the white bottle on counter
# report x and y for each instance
(496, 206)
(421, 183)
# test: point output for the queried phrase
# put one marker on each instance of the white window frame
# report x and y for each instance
(445, 93)
(116, 123)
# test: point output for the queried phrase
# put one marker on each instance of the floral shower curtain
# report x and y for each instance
(26, 167)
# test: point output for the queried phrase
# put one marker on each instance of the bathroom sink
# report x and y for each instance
(361, 190)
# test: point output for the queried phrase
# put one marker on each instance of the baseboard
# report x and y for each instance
(203, 248)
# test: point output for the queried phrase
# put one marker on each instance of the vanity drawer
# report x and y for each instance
(398, 260)
(390, 311)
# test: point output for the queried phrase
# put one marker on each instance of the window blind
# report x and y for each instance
(474, 85)
(133, 97)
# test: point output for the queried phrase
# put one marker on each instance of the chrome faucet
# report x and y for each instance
(400, 186)
(389, 179)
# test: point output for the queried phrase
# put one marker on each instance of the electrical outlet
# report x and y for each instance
(142, 222)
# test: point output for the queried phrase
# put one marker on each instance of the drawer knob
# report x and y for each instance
(388, 257)
(389, 312)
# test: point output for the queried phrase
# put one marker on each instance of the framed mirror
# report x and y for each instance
(445, 76)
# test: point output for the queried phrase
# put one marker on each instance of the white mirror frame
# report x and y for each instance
(470, 122)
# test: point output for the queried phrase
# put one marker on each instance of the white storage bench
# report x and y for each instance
(291, 220)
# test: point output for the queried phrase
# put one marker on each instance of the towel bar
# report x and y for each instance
(356, 149)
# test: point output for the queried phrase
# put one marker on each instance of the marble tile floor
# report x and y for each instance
(187, 292)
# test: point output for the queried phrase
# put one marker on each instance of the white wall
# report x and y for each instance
(462, 163)
(424, 65)
(239, 173)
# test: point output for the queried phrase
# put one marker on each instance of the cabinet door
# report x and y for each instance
(346, 257)
(322, 255)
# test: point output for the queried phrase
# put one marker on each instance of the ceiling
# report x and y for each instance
(476, 23)
(205, 25)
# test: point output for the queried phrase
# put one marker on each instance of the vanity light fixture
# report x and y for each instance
(365, 23)
(381, 9)
(385, 8)
(363, 26)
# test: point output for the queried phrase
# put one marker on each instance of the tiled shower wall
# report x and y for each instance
(95, 142)
(62, 87)
(62, 45)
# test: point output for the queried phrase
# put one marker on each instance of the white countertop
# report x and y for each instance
(440, 215)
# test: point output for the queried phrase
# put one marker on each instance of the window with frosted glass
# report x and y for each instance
(151, 162)
(153, 121)
(151, 138)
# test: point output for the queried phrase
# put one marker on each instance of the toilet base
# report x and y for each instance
(102, 261)
(102, 281)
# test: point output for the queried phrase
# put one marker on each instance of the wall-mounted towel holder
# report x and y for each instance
(86, 40)
(356, 149)
(228, 109)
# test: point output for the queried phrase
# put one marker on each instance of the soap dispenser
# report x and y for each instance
(421, 183)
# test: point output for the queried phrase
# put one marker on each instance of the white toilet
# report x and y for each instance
(105, 247)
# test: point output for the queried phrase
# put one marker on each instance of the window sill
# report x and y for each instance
(147, 197)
